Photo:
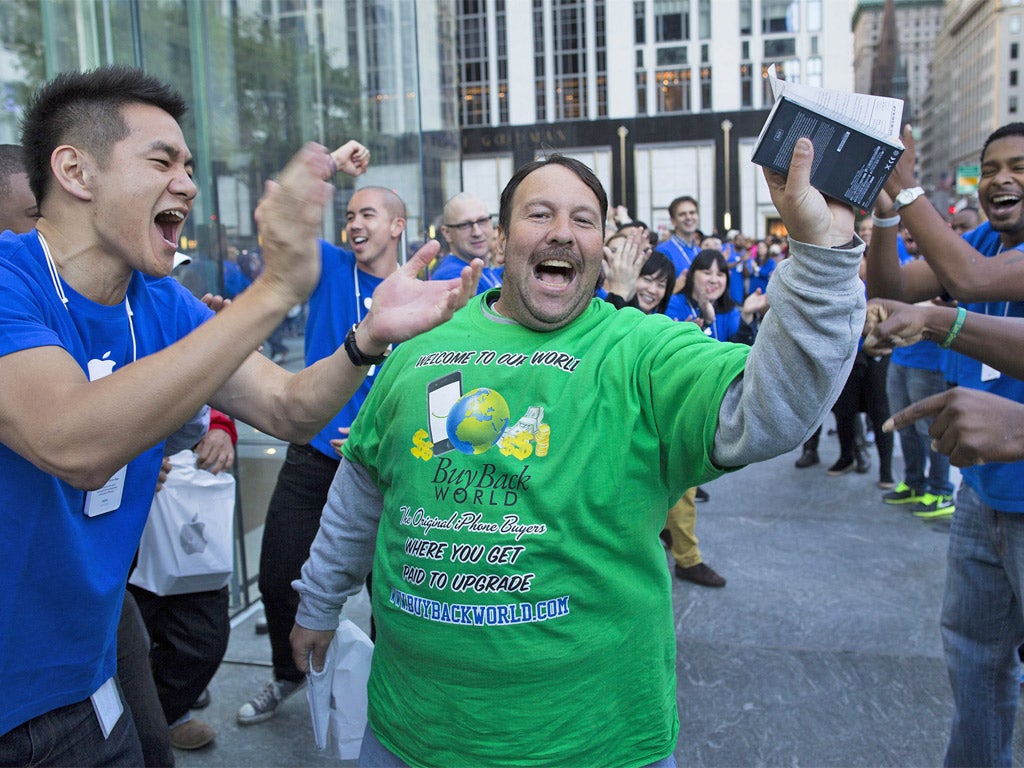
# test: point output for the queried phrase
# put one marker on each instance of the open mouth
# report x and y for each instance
(555, 272)
(169, 223)
(1003, 202)
(359, 239)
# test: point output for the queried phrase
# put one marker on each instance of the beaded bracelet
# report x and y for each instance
(947, 342)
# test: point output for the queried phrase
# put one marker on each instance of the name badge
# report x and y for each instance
(107, 498)
(106, 702)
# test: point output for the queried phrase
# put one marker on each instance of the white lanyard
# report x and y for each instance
(59, 289)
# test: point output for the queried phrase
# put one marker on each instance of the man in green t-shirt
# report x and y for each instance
(508, 476)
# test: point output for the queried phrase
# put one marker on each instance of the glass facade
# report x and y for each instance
(261, 78)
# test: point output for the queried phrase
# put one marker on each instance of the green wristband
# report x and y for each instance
(947, 342)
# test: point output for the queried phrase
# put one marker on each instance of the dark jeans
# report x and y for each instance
(293, 518)
(135, 675)
(189, 636)
(71, 736)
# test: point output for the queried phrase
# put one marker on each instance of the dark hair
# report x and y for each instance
(1010, 129)
(84, 108)
(583, 172)
(659, 265)
(652, 236)
(12, 162)
(678, 201)
(704, 260)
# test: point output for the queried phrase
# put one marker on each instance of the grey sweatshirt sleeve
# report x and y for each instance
(802, 356)
(342, 552)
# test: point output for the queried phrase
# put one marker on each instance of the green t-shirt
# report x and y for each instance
(520, 591)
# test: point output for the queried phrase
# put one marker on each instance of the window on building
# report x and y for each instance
(640, 22)
(1013, 77)
(1014, 50)
(539, 71)
(570, 59)
(666, 57)
(673, 90)
(746, 17)
(814, 71)
(814, 15)
(1014, 24)
(780, 16)
(671, 20)
(745, 50)
(641, 92)
(474, 75)
(779, 47)
(746, 85)
(501, 33)
(705, 88)
(1012, 105)
(704, 20)
(601, 59)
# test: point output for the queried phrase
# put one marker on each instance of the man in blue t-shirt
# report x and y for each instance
(104, 355)
(684, 243)
(468, 229)
(375, 220)
(982, 617)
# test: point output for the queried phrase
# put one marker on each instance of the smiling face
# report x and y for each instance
(650, 290)
(1001, 188)
(142, 191)
(709, 283)
(685, 219)
(374, 228)
(468, 228)
(552, 249)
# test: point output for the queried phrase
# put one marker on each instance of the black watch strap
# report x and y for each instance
(357, 356)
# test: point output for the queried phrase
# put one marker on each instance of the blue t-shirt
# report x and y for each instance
(1000, 485)
(64, 573)
(451, 266)
(341, 299)
(726, 323)
(680, 253)
(924, 355)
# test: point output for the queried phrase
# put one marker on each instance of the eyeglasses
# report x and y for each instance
(466, 226)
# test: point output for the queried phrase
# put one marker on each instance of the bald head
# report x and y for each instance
(467, 227)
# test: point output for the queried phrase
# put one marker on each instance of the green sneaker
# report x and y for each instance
(932, 506)
(903, 494)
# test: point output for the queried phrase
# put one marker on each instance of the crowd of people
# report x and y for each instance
(489, 565)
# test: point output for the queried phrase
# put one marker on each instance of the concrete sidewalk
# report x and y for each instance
(822, 650)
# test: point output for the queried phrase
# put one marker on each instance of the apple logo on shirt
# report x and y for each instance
(192, 539)
(100, 367)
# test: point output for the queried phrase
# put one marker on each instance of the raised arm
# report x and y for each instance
(807, 340)
(958, 267)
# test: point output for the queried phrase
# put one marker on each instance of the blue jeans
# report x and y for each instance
(373, 754)
(982, 626)
(71, 735)
(904, 386)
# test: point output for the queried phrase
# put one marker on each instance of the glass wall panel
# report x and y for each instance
(261, 78)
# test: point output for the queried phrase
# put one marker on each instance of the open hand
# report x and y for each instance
(404, 306)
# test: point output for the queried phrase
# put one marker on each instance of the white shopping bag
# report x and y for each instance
(337, 694)
(187, 543)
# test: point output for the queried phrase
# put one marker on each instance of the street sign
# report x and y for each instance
(967, 179)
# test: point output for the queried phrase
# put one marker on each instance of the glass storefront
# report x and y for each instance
(261, 78)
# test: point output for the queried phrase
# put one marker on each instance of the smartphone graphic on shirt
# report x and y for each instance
(442, 394)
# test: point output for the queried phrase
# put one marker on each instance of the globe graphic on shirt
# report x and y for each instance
(477, 420)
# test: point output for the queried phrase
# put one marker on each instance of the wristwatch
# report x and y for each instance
(907, 196)
(357, 356)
